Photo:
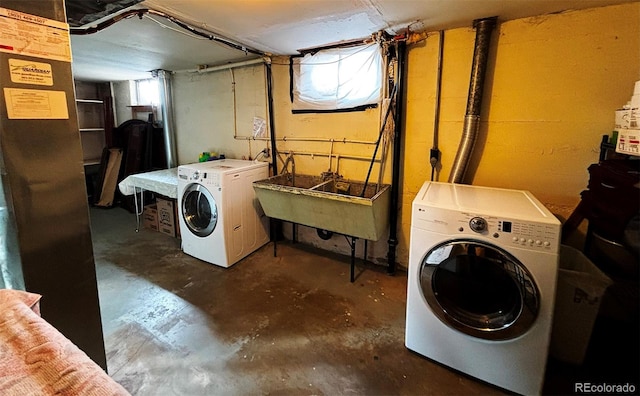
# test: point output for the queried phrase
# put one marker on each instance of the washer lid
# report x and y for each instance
(486, 200)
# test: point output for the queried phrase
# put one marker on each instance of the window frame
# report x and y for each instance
(360, 107)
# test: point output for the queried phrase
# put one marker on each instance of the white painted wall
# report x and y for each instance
(122, 99)
(215, 111)
(553, 85)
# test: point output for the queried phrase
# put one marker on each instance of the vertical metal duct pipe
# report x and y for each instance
(474, 101)
(164, 78)
(395, 175)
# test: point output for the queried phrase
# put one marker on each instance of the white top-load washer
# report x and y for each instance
(221, 220)
(481, 287)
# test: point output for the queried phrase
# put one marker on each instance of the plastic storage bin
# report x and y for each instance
(581, 286)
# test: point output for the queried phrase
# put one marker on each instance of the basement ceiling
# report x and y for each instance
(131, 48)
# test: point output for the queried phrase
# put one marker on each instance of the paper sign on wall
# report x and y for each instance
(36, 104)
(31, 35)
(30, 72)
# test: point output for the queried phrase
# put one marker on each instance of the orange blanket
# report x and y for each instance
(36, 359)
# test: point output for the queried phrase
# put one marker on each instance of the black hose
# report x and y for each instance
(324, 234)
(375, 151)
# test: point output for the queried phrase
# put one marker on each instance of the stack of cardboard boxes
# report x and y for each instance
(162, 216)
(628, 125)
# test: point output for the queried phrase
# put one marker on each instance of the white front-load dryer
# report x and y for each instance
(481, 287)
(221, 220)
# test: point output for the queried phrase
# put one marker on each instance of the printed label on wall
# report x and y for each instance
(31, 35)
(35, 104)
(29, 72)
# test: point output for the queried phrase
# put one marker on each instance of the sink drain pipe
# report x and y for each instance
(474, 101)
(401, 51)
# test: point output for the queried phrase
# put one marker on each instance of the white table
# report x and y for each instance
(163, 182)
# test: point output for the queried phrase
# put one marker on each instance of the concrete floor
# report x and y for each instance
(289, 325)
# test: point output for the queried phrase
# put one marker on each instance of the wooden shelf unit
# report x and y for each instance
(95, 118)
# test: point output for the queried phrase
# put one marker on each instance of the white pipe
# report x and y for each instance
(307, 139)
(341, 156)
(226, 66)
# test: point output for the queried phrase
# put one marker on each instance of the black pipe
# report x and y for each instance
(434, 153)
(395, 178)
(140, 13)
(275, 224)
(272, 125)
(483, 28)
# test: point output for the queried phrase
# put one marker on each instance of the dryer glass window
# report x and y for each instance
(199, 210)
(479, 289)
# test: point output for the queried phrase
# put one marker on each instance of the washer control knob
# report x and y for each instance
(195, 175)
(478, 224)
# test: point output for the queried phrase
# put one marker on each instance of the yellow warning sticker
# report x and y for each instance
(30, 72)
(36, 104)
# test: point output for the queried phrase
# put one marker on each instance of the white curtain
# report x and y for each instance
(338, 78)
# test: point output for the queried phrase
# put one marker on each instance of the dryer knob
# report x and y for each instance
(478, 224)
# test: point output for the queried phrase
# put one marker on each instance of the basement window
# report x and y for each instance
(145, 92)
(337, 79)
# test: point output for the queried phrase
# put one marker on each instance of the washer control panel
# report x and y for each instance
(196, 176)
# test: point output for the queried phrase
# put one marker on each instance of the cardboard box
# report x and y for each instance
(581, 286)
(628, 142)
(166, 216)
(628, 118)
(150, 217)
(176, 208)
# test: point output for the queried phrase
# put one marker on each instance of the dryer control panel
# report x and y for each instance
(507, 231)
(516, 232)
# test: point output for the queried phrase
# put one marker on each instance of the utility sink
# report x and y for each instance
(332, 205)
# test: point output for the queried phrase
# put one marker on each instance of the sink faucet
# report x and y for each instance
(285, 169)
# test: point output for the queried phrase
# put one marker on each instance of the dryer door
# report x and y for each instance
(199, 210)
(479, 289)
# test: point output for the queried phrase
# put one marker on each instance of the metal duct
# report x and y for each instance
(167, 117)
(44, 204)
(483, 28)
